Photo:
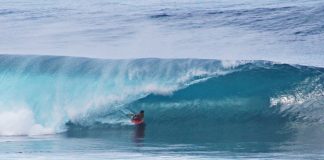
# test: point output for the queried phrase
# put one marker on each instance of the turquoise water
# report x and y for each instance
(76, 108)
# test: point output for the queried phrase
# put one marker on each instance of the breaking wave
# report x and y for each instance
(40, 94)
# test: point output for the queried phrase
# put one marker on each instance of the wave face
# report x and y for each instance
(254, 92)
(40, 94)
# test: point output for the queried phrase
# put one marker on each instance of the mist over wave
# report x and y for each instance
(40, 94)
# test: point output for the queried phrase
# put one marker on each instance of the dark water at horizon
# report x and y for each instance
(288, 32)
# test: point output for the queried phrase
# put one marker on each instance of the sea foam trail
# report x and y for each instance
(40, 94)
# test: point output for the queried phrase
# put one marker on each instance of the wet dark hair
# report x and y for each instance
(142, 111)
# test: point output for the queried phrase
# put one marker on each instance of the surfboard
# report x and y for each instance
(137, 121)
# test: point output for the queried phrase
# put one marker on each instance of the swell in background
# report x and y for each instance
(288, 32)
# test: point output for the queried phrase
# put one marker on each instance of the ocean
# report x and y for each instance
(216, 79)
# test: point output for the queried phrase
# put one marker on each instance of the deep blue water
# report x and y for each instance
(237, 79)
(289, 31)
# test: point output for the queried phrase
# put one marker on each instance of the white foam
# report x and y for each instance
(307, 106)
(233, 63)
(21, 122)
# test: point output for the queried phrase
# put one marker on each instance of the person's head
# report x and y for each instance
(142, 111)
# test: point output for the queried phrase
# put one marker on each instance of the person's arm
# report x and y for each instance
(131, 115)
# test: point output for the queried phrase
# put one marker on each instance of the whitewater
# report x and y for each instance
(216, 79)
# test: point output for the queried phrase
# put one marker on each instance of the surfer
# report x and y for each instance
(139, 116)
